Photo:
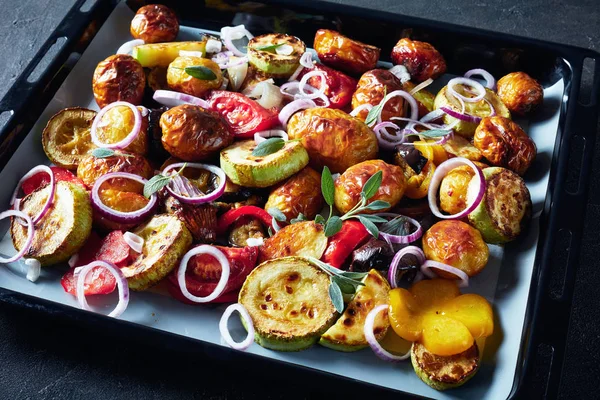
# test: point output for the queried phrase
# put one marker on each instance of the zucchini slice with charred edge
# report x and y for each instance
(268, 60)
(162, 54)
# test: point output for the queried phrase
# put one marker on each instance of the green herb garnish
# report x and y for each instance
(102, 152)
(277, 214)
(301, 217)
(159, 181)
(270, 48)
(200, 72)
(375, 111)
(269, 146)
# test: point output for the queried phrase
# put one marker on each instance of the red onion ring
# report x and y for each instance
(121, 285)
(16, 203)
(135, 242)
(461, 116)
(172, 99)
(261, 136)
(413, 122)
(227, 34)
(372, 340)
(127, 47)
(121, 216)
(275, 225)
(490, 82)
(421, 86)
(401, 72)
(414, 107)
(30, 232)
(426, 270)
(203, 198)
(34, 269)
(243, 345)
(432, 116)
(467, 82)
(130, 136)
(300, 104)
(440, 172)
(386, 140)
(73, 260)
(402, 239)
(226, 268)
(232, 63)
(393, 270)
(305, 62)
(304, 81)
(492, 109)
(358, 109)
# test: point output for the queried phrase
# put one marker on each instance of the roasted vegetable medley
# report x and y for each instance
(329, 199)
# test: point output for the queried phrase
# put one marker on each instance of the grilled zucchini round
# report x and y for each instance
(289, 303)
(264, 54)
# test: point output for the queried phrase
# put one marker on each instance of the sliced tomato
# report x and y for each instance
(244, 115)
(339, 87)
(42, 178)
(204, 271)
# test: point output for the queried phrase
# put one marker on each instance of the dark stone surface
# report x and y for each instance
(42, 357)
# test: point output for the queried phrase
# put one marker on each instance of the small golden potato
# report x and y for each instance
(504, 144)
(333, 138)
(370, 90)
(421, 59)
(117, 123)
(192, 133)
(301, 193)
(520, 93)
(453, 189)
(340, 52)
(92, 168)
(349, 185)
(180, 81)
(457, 244)
(119, 78)
(155, 23)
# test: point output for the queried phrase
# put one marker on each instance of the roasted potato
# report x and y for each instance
(92, 168)
(345, 54)
(119, 78)
(155, 23)
(333, 138)
(421, 59)
(460, 147)
(504, 144)
(453, 189)
(424, 98)
(301, 193)
(520, 92)
(303, 239)
(457, 244)
(370, 90)
(192, 133)
(117, 123)
(200, 219)
(157, 79)
(180, 81)
(349, 185)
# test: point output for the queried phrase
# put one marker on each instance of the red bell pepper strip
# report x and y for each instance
(344, 242)
(227, 219)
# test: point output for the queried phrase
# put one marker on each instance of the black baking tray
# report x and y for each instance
(549, 302)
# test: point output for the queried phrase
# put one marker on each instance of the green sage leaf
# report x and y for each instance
(201, 72)
(375, 111)
(336, 296)
(333, 226)
(369, 225)
(277, 214)
(102, 152)
(327, 186)
(377, 205)
(155, 183)
(269, 146)
(372, 185)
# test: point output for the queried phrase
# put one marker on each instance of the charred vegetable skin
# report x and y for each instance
(520, 92)
(155, 23)
(345, 54)
(421, 59)
(371, 89)
(301, 193)
(119, 78)
(192, 133)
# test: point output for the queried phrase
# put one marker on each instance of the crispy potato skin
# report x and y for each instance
(370, 90)
(179, 81)
(155, 23)
(520, 93)
(192, 133)
(303, 239)
(457, 244)
(421, 59)
(345, 54)
(120, 77)
(349, 185)
(116, 124)
(453, 189)
(504, 144)
(301, 193)
(333, 138)
(92, 168)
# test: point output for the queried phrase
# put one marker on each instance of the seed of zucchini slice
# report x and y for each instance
(269, 61)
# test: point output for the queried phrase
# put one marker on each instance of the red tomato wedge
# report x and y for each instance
(42, 178)
(244, 115)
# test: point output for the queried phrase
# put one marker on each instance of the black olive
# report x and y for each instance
(412, 156)
(375, 254)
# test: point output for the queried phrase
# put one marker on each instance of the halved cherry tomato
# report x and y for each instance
(231, 216)
(244, 115)
(344, 242)
(339, 87)
(42, 178)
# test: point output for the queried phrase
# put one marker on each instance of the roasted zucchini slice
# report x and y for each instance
(303, 239)
(348, 332)
(505, 209)
(289, 303)
(444, 372)
(244, 169)
(63, 230)
(276, 53)
(162, 54)
(166, 239)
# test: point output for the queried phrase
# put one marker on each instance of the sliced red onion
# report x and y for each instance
(190, 53)
(490, 82)
(440, 172)
(137, 125)
(34, 269)
(284, 50)
(73, 260)
(30, 232)
(372, 340)
(225, 271)
(237, 75)
(232, 62)
(432, 116)
(121, 216)
(290, 88)
(134, 241)
(260, 137)
(172, 99)
(203, 198)
(401, 72)
(121, 285)
(127, 47)
(421, 86)
(478, 87)
(393, 270)
(213, 46)
(229, 34)
(275, 225)
(255, 242)
(16, 203)
(286, 112)
(360, 108)
(492, 109)
(429, 264)
(222, 57)
(305, 62)
(388, 237)
(384, 139)
(414, 107)
(304, 81)
(460, 116)
(266, 94)
(413, 122)
(247, 322)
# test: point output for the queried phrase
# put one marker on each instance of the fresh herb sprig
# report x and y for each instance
(269, 146)
(159, 181)
(199, 72)
(270, 48)
(102, 152)
(375, 111)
